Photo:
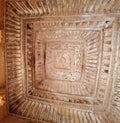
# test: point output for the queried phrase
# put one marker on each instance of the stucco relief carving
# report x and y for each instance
(63, 56)
(63, 61)
(43, 41)
(27, 36)
(60, 55)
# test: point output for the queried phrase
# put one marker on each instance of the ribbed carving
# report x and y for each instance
(58, 66)
(115, 101)
(63, 7)
(105, 65)
(44, 112)
(14, 54)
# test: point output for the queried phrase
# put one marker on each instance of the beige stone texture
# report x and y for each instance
(62, 62)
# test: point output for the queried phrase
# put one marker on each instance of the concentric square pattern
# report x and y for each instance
(65, 62)
(57, 64)
(62, 59)
(58, 61)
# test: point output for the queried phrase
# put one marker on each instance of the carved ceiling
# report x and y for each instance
(59, 62)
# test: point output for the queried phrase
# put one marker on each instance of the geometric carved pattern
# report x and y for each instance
(61, 57)
(63, 61)
(64, 52)
(55, 61)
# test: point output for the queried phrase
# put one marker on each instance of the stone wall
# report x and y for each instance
(1, 14)
(3, 110)
(2, 63)
(2, 67)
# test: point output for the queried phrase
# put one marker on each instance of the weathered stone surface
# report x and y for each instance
(2, 63)
(60, 66)
(2, 14)
(3, 104)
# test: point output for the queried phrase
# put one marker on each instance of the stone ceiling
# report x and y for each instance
(59, 58)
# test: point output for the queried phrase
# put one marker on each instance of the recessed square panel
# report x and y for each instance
(63, 61)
